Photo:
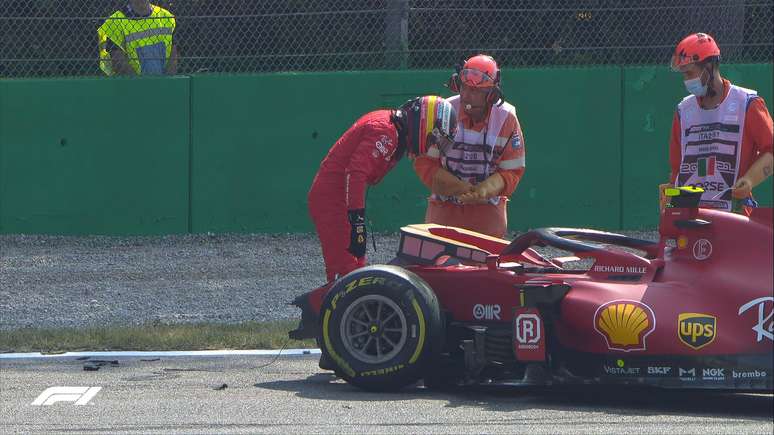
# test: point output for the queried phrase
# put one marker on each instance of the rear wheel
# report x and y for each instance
(381, 326)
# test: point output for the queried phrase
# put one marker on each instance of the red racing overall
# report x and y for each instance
(361, 157)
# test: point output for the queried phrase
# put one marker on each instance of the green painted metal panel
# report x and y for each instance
(94, 156)
(571, 122)
(651, 95)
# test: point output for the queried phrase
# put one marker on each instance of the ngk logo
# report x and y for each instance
(486, 312)
(527, 328)
(713, 374)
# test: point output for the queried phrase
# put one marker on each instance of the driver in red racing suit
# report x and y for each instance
(362, 157)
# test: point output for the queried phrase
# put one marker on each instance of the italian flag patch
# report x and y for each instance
(706, 166)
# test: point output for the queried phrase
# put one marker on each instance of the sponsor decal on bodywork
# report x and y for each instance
(620, 369)
(604, 268)
(486, 312)
(765, 326)
(702, 249)
(528, 335)
(687, 374)
(659, 371)
(713, 374)
(696, 330)
(748, 374)
(625, 324)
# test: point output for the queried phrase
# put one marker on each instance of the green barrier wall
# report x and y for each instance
(651, 96)
(238, 153)
(91, 156)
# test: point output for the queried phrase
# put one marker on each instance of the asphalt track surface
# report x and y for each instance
(238, 394)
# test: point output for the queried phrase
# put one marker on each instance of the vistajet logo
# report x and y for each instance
(78, 395)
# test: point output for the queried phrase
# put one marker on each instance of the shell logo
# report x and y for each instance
(624, 324)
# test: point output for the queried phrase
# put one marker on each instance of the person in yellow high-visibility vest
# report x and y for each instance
(137, 40)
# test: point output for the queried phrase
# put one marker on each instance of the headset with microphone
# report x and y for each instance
(495, 94)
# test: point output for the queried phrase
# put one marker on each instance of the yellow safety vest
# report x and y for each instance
(147, 41)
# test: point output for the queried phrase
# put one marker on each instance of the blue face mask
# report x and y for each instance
(695, 86)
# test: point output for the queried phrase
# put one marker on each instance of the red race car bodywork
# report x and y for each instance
(691, 310)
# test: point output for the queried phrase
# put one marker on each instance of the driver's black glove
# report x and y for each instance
(357, 237)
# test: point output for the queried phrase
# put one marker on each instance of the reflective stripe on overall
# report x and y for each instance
(473, 154)
(147, 41)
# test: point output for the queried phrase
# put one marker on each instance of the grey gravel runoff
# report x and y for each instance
(62, 281)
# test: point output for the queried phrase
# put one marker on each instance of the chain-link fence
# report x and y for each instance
(59, 37)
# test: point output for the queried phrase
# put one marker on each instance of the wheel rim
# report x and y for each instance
(373, 329)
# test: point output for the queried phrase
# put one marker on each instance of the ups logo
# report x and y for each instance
(696, 330)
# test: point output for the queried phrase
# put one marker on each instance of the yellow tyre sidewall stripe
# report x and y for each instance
(329, 346)
(421, 343)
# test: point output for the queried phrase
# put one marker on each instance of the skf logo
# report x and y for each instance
(79, 395)
(486, 312)
(625, 324)
(659, 370)
(696, 330)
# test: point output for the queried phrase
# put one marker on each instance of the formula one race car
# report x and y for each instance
(693, 310)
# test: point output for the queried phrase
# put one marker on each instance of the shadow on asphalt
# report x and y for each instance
(624, 401)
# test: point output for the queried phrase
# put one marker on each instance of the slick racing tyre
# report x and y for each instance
(381, 326)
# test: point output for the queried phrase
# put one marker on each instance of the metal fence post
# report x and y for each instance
(396, 35)
(732, 31)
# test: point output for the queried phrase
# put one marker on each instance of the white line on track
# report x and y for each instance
(287, 352)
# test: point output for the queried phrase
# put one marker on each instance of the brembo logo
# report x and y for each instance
(486, 312)
(79, 395)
